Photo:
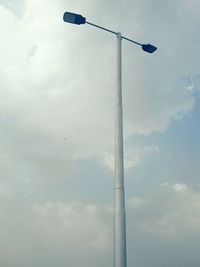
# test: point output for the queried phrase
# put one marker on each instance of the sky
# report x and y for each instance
(57, 98)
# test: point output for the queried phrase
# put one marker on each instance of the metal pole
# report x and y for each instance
(119, 213)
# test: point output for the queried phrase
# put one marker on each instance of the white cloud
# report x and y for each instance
(134, 155)
(136, 202)
(164, 184)
(78, 223)
(180, 187)
(108, 160)
(193, 83)
(5, 190)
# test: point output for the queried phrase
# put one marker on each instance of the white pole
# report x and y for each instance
(120, 215)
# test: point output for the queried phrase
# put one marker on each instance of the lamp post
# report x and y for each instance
(119, 204)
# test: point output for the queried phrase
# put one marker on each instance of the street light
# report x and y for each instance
(120, 214)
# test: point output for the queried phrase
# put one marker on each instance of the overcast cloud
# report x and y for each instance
(57, 93)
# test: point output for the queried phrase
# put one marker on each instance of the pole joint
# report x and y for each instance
(119, 35)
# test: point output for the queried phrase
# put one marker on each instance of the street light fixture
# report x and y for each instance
(120, 214)
(73, 18)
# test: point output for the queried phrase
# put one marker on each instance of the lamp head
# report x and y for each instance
(73, 18)
(149, 48)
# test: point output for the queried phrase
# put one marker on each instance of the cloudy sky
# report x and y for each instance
(57, 92)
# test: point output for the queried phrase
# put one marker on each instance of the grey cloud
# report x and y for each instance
(58, 86)
(54, 232)
(160, 230)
